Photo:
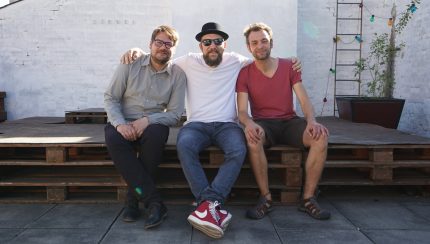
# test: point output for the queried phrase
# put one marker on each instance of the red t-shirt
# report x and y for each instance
(269, 98)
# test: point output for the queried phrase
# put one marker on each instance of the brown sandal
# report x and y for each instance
(263, 207)
(311, 207)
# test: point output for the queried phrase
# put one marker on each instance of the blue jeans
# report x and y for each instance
(195, 137)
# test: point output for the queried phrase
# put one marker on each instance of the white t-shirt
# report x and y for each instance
(210, 94)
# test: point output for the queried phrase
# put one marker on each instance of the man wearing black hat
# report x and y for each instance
(211, 120)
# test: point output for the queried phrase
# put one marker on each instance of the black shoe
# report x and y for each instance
(156, 214)
(131, 212)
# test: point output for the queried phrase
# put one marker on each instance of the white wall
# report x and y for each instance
(413, 73)
(60, 55)
(316, 28)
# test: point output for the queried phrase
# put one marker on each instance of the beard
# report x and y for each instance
(210, 61)
(261, 56)
(161, 59)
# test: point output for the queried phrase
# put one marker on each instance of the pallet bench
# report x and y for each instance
(79, 168)
(62, 169)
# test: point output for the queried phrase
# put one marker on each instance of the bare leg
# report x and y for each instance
(258, 160)
(314, 163)
(259, 166)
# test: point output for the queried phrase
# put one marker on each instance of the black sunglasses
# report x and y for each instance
(208, 42)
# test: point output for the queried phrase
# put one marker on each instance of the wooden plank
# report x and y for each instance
(293, 176)
(292, 158)
(381, 155)
(216, 157)
(56, 193)
(382, 173)
(246, 165)
(63, 181)
(67, 163)
(56, 154)
(290, 197)
(122, 193)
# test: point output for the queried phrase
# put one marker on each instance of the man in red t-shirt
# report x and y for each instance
(268, 85)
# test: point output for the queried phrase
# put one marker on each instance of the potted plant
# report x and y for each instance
(379, 107)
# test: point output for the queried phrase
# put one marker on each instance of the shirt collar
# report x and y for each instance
(146, 62)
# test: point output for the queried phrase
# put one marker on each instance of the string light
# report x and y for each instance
(336, 39)
(413, 8)
(358, 38)
(332, 70)
(372, 18)
(390, 22)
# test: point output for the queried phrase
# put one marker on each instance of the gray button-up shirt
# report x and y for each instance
(136, 91)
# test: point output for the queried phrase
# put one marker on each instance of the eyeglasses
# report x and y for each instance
(160, 43)
(208, 42)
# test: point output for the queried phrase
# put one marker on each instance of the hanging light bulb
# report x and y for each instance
(358, 38)
(372, 18)
(336, 39)
(390, 22)
(325, 100)
(413, 8)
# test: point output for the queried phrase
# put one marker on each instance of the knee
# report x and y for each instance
(321, 143)
(255, 147)
(112, 137)
(238, 152)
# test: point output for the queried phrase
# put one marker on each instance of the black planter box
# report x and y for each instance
(385, 112)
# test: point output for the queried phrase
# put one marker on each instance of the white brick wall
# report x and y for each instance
(413, 72)
(60, 55)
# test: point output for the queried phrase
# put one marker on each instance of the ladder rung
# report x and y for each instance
(349, 18)
(346, 49)
(348, 34)
(347, 80)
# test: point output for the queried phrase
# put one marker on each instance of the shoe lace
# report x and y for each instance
(212, 210)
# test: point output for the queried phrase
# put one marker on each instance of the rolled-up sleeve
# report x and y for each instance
(114, 93)
(176, 105)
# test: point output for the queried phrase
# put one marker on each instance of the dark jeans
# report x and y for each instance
(138, 171)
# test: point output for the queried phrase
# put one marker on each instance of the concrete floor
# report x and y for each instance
(358, 216)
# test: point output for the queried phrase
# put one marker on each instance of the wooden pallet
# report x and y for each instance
(59, 168)
(378, 165)
(86, 116)
(358, 155)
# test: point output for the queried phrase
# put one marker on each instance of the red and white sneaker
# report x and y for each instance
(224, 218)
(206, 219)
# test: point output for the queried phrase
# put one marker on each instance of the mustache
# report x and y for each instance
(163, 52)
(213, 50)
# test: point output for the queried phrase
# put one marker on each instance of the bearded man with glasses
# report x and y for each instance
(211, 120)
(142, 100)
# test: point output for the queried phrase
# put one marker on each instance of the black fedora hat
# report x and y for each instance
(211, 28)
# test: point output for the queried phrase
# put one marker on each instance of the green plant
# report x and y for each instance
(381, 59)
